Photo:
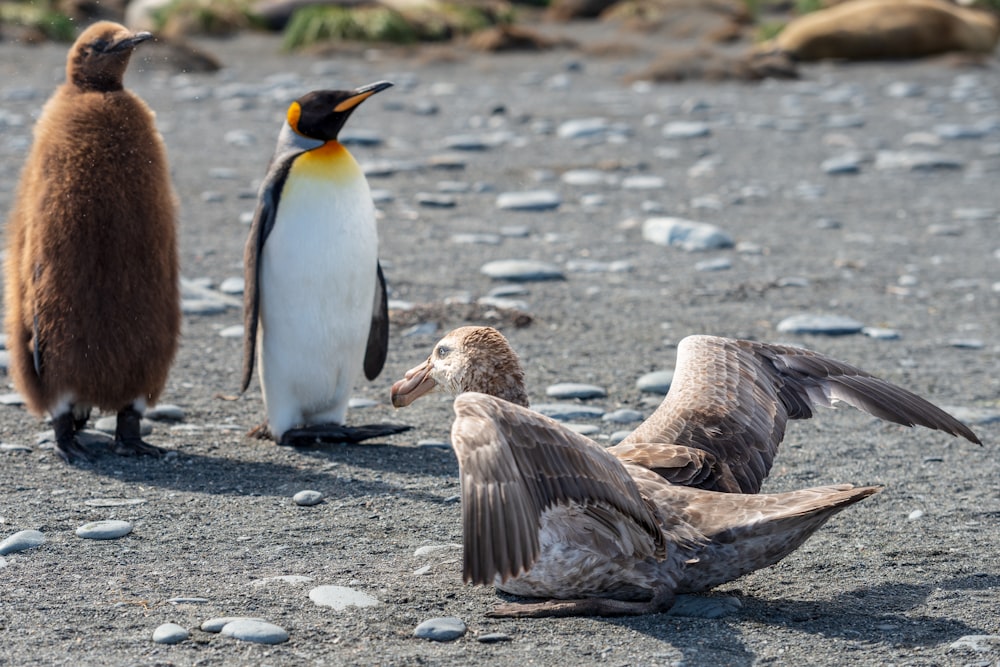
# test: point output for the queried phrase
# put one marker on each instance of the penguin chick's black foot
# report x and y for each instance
(68, 447)
(128, 438)
(313, 434)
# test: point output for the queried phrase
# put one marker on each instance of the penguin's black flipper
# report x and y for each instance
(263, 223)
(378, 336)
(333, 434)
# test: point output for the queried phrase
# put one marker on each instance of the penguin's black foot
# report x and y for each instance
(314, 434)
(128, 436)
(68, 447)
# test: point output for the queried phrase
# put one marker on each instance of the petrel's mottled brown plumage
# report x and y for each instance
(674, 508)
(92, 295)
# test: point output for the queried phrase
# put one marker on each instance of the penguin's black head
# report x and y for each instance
(321, 113)
(100, 55)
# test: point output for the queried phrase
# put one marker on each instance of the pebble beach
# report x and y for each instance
(596, 222)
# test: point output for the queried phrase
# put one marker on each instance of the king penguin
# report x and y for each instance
(91, 271)
(315, 308)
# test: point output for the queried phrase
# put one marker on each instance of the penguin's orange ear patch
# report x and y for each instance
(294, 113)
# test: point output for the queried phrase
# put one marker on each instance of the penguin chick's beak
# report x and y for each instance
(130, 42)
(361, 94)
(415, 383)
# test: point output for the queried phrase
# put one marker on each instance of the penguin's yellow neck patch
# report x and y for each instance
(329, 161)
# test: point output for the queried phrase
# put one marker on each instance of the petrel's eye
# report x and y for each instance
(442, 351)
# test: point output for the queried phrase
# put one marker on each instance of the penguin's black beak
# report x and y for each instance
(361, 94)
(130, 42)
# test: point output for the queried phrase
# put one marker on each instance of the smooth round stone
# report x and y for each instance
(11, 398)
(568, 411)
(109, 424)
(235, 331)
(582, 128)
(493, 638)
(588, 430)
(21, 540)
(307, 498)
(976, 644)
(685, 234)
(842, 164)
(643, 182)
(904, 89)
(529, 200)
(434, 444)
(880, 333)
(914, 515)
(974, 214)
(444, 629)
(916, 160)
(466, 142)
(681, 129)
(203, 307)
(967, 343)
(827, 325)
(216, 624)
(13, 447)
(656, 382)
(170, 633)
(110, 529)
(341, 597)
(618, 436)
(623, 416)
(717, 264)
(503, 303)
(522, 270)
(360, 402)
(188, 600)
(587, 178)
(165, 412)
(232, 285)
(259, 632)
(568, 390)
(382, 196)
(955, 131)
(476, 239)
(432, 200)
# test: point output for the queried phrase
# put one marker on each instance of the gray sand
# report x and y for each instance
(898, 579)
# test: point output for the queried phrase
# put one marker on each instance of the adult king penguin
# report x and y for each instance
(92, 296)
(315, 309)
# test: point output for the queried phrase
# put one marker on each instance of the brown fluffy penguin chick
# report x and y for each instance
(92, 296)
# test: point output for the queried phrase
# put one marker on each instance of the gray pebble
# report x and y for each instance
(588, 430)
(656, 382)
(259, 632)
(588, 178)
(466, 142)
(681, 129)
(904, 89)
(307, 498)
(361, 402)
(717, 264)
(453, 187)
(444, 629)
(955, 131)
(232, 285)
(849, 163)
(493, 638)
(623, 416)
(521, 270)
(503, 303)
(529, 200)
(618, 436)
(202, 307)
(643, 182)
(914, 515)
(110, 423)
(967, 343)
(234, 331)
(341, 597)
(13, 447)
(827, 325)
(568, 390)
(433, 200)
(21, 540)
(382, 196)
(421, 329)
(582, 128)
(569, 411)
(686, 234)
(916, 161)
(11, 398)
(170, 633)
(110, 529)
(974, 214)
(841, 121)
(165, 412)
(434, 444)
(216, 624)
(476, 239)
(880, 333)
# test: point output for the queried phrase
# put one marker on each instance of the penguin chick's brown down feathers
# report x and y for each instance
(92, 296)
